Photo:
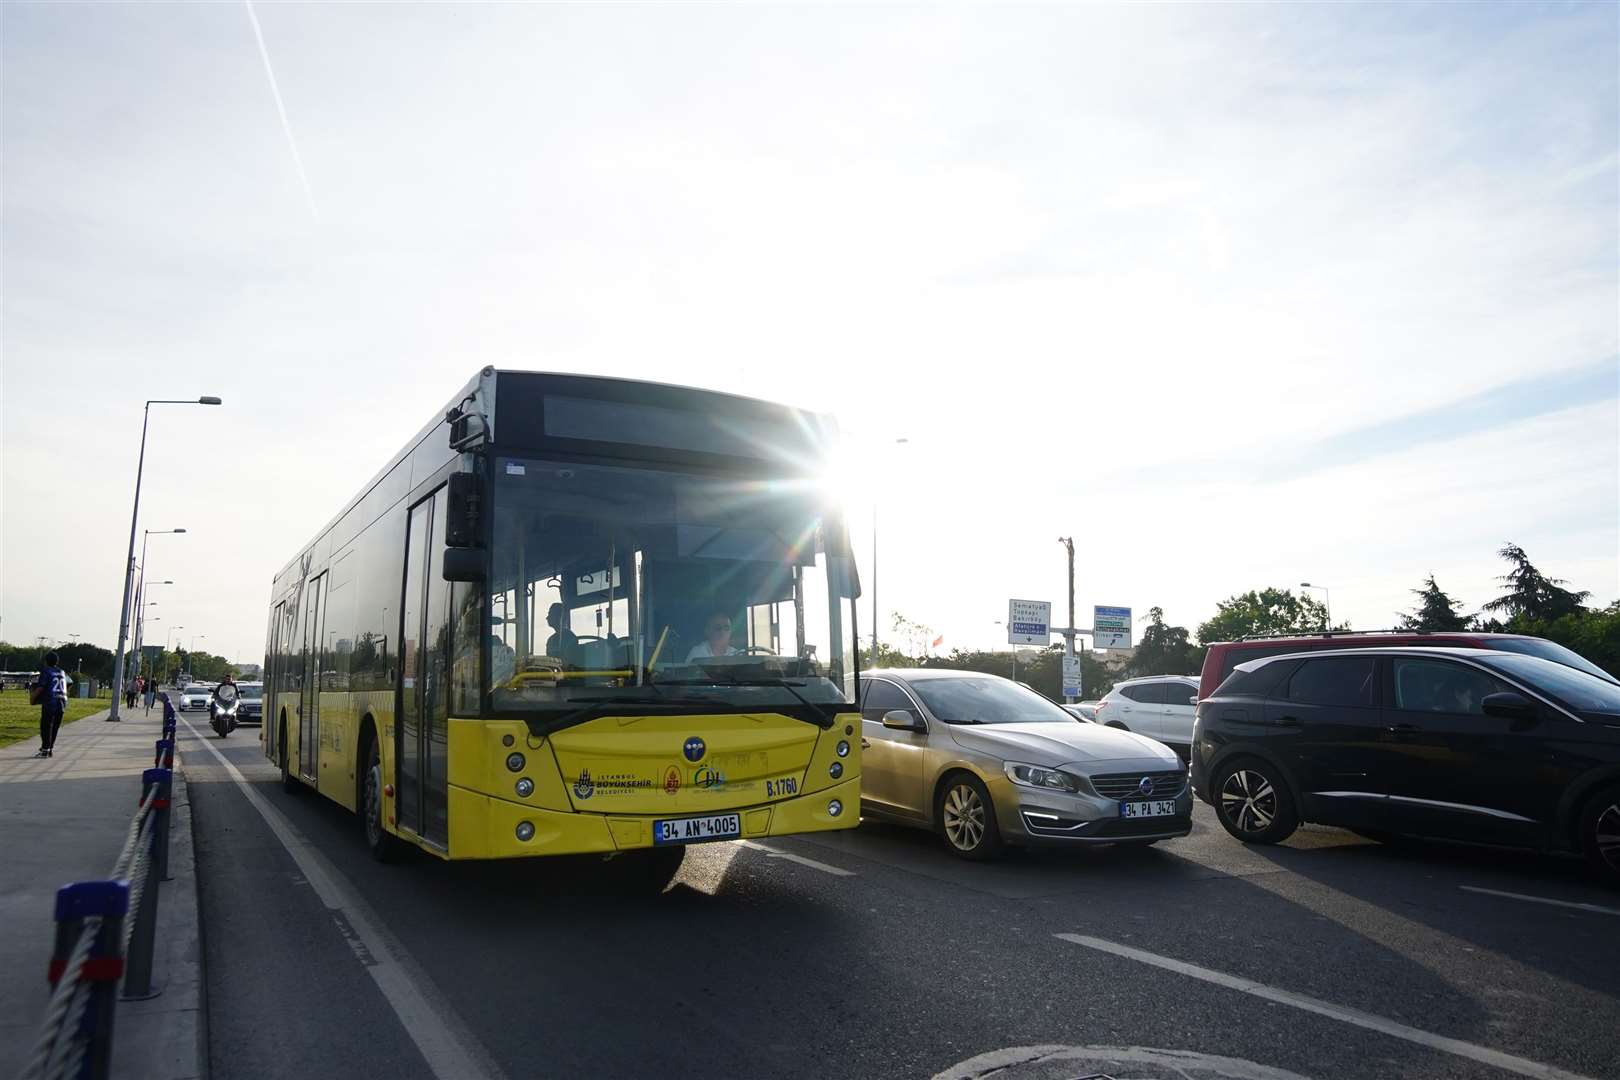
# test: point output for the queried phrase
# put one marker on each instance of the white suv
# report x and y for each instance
(1160, 707)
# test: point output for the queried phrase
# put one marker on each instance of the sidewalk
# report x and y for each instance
(63, 819)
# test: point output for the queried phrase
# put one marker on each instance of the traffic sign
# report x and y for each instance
(1111, 627)
(1029, 622)
(1071, 676)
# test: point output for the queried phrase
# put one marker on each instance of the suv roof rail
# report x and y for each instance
(1347, 633)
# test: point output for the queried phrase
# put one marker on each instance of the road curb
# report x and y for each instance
(165, 1038)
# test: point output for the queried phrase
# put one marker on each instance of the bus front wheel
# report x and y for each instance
(383, 846)
(289, 783)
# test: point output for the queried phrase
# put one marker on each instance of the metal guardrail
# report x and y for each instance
(99, 944)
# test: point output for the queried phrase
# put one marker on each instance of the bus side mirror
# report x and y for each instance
(462, 511)
(463, 564)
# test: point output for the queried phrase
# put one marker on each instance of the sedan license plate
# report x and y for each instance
(695, 830)
(1155, 808)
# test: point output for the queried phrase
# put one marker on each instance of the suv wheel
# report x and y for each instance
(967, 818)
(1600, 833)
(1252, 802)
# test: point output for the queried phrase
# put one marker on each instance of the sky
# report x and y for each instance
(1236, 296)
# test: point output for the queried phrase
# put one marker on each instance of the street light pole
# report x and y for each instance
(1068, 634)
(140, 593)
(129, 561)
(1327, 596)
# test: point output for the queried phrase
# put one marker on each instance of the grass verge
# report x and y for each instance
(20, 720)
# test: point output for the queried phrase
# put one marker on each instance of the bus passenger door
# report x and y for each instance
(421, 734)
(309, 708)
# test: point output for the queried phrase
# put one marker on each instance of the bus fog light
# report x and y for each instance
(836, 769)
(842, 748)
(525, 788)
(835, 808)
(525, 830)
(515, 762)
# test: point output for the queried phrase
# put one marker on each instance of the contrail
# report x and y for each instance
(275, 92)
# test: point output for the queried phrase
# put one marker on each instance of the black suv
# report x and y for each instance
(1467, 744)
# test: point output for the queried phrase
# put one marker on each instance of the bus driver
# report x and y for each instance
(716, 639)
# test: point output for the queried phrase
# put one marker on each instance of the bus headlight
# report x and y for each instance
(525, 830)
(842, 749)
(515, 762)
(834, 808)
(525, 788)
(836, 769)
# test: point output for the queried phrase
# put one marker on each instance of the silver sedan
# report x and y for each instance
(986, 762)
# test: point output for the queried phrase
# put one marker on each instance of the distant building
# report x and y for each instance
(250, 672)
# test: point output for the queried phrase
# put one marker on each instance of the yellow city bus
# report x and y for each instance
(577, 615)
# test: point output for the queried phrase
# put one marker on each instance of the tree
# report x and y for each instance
(1436, 611)
(1530, 593)
(1264, 613)
(1164, 650)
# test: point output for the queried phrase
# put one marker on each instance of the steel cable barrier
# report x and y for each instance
(106, 931)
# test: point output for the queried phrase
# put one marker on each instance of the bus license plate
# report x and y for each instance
(695, 830)
(1156, 808)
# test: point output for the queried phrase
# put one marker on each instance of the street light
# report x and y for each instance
(140, 592)
(129, 561)
(1328, 597)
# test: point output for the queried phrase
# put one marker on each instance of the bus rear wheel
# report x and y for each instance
(383, 846)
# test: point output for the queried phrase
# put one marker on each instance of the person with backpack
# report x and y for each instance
(52, 690)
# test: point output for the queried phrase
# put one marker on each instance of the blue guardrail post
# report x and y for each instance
(75, 903)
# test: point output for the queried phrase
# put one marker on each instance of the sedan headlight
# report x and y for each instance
(1036, 776)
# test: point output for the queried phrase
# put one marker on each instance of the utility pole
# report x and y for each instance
(1069, 631)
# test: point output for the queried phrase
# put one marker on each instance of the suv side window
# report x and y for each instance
(1333, 680)
(1180, 693)
(880, 697)
(1439, 687)
(1145, 693)
(1244, 654)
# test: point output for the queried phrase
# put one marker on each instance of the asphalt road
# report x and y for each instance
(878, 954)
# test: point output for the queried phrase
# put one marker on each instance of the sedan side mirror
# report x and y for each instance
(901, 719)
(1510, 705)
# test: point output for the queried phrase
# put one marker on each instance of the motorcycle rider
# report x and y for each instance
(221, 701)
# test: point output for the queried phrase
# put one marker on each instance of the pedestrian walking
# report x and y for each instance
(52, 685)
(151, 694)
(129, 693)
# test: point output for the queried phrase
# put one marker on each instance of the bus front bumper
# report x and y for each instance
(485, 827)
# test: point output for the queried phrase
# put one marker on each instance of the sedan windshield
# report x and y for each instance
(641, 586)
(1576, 689)
(987, 700)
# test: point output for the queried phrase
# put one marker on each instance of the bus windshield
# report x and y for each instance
(634, 587)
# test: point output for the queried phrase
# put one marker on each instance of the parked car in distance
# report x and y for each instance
(1223, 656)
(986, 762)
(1158, 706)
(1084, 710)
(250, 711)
(1466, 744)
(195, 696)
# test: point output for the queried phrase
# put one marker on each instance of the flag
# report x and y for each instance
(939, 641)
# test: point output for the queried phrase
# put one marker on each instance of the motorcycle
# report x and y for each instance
(222, 716)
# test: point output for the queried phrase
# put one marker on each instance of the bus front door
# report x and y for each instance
(421, 735)
(309, 701)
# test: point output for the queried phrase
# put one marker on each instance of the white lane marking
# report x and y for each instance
(1483, 1054)
(825, 868)
(1598, 908)
(1031, 1061)
(451, 1051)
